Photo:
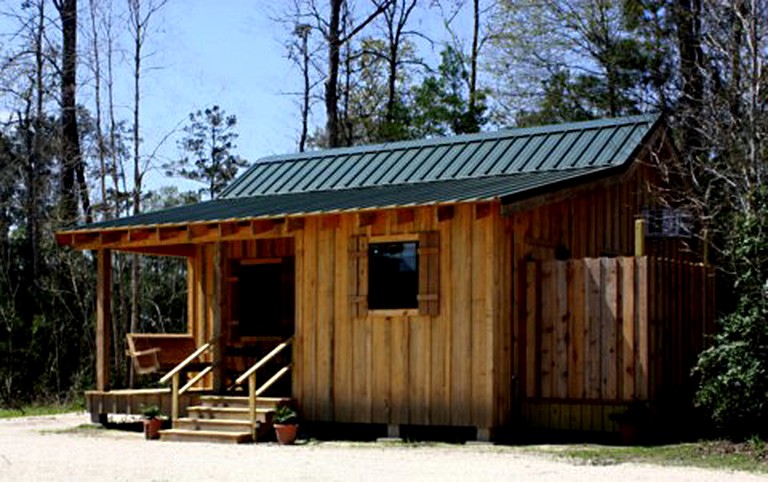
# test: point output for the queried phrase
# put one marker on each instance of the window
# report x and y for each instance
(393, 275)
(667, 223)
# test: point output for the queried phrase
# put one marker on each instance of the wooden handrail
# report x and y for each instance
(263, 361)
(178, 368)
(272, 380)
(195, 379)
(253, 391)
(174, 376)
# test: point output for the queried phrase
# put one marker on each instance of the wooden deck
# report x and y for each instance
(133, 401)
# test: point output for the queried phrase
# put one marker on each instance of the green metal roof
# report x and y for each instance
(505, 187)
(600, 143)
(504, 165)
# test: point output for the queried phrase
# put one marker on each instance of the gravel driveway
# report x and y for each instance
(52, 448)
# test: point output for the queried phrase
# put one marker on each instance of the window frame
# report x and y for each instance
(395, 238)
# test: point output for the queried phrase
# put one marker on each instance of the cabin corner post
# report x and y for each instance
(218, 342)
(103, 317)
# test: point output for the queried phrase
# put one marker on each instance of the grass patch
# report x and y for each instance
(41, 409)
(750, 456)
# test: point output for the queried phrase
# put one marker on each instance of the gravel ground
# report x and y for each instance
(54, 448)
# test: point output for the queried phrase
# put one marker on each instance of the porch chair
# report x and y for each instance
(146, 360)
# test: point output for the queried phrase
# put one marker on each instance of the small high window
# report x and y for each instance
(393, 275)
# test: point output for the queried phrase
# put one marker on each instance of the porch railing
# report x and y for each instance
(175, 375)
(250, 375)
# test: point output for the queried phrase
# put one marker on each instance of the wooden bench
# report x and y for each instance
(159, 352)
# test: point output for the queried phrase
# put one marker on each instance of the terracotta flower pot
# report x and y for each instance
(286, 434)
(152, 428)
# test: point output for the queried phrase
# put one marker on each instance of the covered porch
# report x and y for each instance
(240, 317)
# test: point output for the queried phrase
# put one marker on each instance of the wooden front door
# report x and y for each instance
(262, 309)
(265, 305)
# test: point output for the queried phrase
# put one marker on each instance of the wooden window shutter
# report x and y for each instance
(429, 273)
(358, 276)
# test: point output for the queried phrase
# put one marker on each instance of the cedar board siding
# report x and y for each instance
(393, 368)
(400, 368)
(461, 367)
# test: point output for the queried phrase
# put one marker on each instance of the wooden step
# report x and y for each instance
(227, 413)
(213, 425)
(232, 401)
(182, 435)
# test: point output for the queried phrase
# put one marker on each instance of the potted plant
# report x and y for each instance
(152, 422)
(286, 424)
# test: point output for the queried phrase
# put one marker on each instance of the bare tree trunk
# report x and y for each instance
(72, 162)
(137, 24)
(335, 42)
(303, 31)
(332, 83)
(687, 17)
(396, 17)
(473, 56)
(100, 142)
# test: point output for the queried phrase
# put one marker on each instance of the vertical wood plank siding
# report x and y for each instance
(491, 335)
(411, 368)
(629, 302)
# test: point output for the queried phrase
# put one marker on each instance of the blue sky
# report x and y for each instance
(203, 52)
(226, 53)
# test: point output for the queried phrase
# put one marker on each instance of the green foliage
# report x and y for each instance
(734, 371)
(151, 412)
(285, 415)
(572, 61)
(442, 104)
(713, 455)
(208, 143)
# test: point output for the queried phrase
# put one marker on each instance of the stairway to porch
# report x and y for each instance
(224, 419)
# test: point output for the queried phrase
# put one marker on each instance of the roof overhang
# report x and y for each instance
(235, 219)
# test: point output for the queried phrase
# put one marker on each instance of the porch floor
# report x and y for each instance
(133, 401)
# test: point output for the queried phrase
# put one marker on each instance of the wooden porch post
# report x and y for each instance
(640, 236)
(103, 317)
(218, 367)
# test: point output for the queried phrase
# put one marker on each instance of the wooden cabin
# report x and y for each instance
(513, 280)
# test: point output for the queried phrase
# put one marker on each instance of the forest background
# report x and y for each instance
(74, 150)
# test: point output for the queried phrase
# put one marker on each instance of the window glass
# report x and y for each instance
(393, 275)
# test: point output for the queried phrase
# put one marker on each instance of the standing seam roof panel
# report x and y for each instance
(449, 169)
(306, 174)
(547, 147)
(289, 176)
(474, 159)
(264, 171)
(429, 163)
(407, 170)
(496, 158)
(330, 181)
(405, 156)
(617, 141)
(352, 169)
(600, 143)
(281, 170)
(554, 159)
(578, 149)
(359, 179)
(568, 146)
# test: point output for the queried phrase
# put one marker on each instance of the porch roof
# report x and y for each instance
(506, 188)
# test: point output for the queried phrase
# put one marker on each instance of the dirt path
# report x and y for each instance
(52, 448)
